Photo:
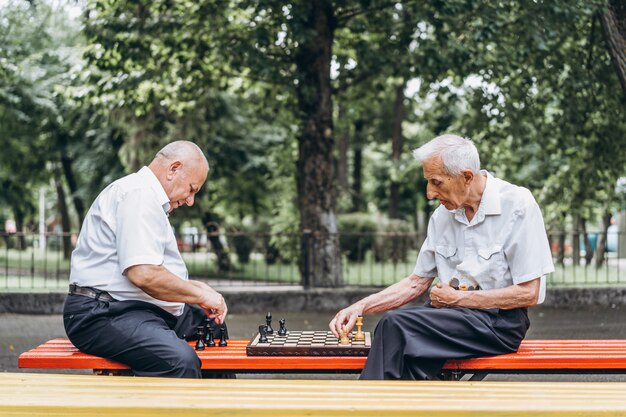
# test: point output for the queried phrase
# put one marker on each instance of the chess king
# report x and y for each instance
(486, 231)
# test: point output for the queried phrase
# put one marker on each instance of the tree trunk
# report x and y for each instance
(65, 218)
(19, 227)
(357, 168)
(588, 249)
(613, 20)
(342, 154)
(315, 178)
(576, 240)
(68, 172)
(213, 235)
(560, 254)
(396, 152)
(601, 245)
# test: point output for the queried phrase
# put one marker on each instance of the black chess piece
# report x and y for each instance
(223, 336)
(282, 331)
(268, 320)
(210, 338)
(263, 333)
(207, 326)
(200, 342)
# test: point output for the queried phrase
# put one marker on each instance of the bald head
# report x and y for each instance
(181, 168)
(182, 150)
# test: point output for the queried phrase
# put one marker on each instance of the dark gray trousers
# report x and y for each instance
(414, 343)
(141, 335)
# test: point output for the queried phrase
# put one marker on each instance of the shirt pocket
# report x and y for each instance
(493, 256)
(445, 251)
(446, 259)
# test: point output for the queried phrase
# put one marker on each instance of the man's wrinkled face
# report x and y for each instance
(184, 182)
(451, 191)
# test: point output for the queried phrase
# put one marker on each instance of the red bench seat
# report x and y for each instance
(534, 356)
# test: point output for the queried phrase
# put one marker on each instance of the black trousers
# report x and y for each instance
(415, 343)
(141, 335)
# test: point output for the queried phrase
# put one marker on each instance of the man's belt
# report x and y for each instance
(91, 293)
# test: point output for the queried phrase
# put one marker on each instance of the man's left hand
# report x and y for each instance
(444, 296)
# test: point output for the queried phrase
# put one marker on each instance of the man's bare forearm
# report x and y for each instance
(158, 282)
(515, 296)
(396, 295)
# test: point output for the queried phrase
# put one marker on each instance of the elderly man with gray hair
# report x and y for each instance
(487, 244)
(130, 297)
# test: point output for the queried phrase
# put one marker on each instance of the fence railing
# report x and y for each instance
(31, 262)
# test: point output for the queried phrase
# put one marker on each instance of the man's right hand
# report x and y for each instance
(346, 316)
(212, 302)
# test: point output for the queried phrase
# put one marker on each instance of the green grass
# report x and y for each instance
(28, 270)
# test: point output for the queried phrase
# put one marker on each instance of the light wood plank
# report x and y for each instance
(84, 395)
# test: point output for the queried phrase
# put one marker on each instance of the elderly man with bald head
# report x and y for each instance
(487, 244)
(130, 298)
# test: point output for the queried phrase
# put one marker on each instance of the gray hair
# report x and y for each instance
(184, 150)
(456, 153)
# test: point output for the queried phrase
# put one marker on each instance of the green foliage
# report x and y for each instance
(394, 239)
(356, 235)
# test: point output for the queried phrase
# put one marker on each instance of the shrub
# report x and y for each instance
(356, 235)
(393, 240)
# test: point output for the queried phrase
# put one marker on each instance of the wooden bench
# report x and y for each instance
(23, 394)
(534, 356)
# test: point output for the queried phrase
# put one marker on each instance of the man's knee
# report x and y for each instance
(186, 365)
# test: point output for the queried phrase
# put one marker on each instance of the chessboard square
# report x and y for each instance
(290, 344)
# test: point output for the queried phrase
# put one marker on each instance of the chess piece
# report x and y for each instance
(222, 342)
(210, 338)
(200, 342)
(454, 283)
(282, 331)
(263, 333)
(359, 336)
(344, 340)
(268, 320)
(463, 287)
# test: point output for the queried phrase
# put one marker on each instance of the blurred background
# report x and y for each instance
(307, 111)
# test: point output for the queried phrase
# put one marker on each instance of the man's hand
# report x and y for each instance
(444, 296)
(346, 316)
(212, 302)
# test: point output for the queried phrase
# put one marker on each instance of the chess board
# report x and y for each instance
(308, 343)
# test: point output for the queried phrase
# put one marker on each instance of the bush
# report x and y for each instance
(393, 240)
(243, 244)
(356, 235)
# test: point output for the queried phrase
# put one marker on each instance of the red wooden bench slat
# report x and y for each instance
(533, 354)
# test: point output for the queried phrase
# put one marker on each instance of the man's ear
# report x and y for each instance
(468, 176)
(173, 169)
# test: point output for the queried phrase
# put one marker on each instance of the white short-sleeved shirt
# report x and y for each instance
(504, 244)
(127, 225)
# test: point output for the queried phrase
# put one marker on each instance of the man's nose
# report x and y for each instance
(190, 200)
(430, 194)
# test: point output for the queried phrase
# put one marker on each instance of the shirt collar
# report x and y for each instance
(490, 200)
(147, 174)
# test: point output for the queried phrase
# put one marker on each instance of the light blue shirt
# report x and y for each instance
(505, 243)
(127, 225)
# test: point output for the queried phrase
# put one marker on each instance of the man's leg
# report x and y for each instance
(415, 343)
(132, 333)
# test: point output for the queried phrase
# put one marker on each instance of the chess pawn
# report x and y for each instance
(344, 340)
(359, 336)
(200, 342)
(282, 331)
